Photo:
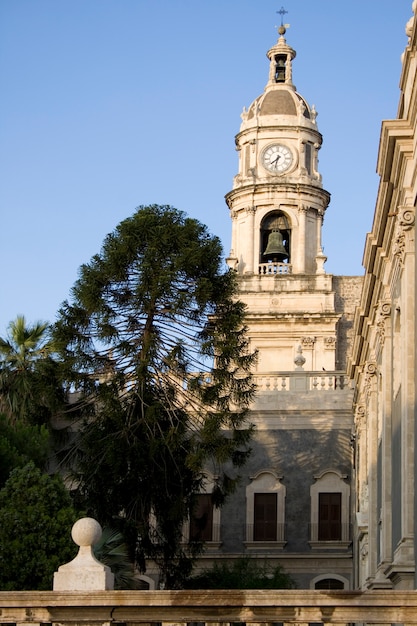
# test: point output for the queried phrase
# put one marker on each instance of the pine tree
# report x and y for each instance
(154, 339)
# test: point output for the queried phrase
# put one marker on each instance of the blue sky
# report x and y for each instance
(111, 104)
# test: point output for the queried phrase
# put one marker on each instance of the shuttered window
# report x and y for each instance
(330, 517)
(265, 517)
(201, 522)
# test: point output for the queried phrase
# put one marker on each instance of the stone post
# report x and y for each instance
(85, 572)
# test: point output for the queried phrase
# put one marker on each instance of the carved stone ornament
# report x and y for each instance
(299, 358)
(370, 376)
(360, 410)
(381, 330)
(360, 415)
(407, 217)
(384, 313)
(370, 369)
(308, 342)
(330, 342)
(385, 310)
(251, 210)
(364, 551)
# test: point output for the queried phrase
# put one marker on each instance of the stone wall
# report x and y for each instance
(347, 297)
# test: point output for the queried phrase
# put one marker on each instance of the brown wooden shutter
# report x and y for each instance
(201, 522)
(265, 517)
(330, 517)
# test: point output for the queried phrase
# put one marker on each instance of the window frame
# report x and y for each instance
(330, 481)
(265, 482)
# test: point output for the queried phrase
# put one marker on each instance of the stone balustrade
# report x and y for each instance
(274, 268)
(302, 607)
(302, 381)
(83, 595)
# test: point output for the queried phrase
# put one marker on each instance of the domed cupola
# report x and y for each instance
(280, 96)
(279, 113)
(277, 195)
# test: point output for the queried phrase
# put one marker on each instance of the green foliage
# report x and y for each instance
(19, 444)
(154, 338)
(113, 552)
(36, 517)
(242, 573)
(30, 390)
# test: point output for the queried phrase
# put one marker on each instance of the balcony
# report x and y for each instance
(303, 381)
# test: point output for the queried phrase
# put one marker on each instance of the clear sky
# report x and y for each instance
(111, 104)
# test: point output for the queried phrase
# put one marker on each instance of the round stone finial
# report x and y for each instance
(86, 531)
(299, 358)
(282, 30)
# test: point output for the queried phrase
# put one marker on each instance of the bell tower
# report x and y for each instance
(277, 206)
(292, 506)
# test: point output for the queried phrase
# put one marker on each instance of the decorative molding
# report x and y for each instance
(384, 313)
(360, 418)
(308, 342)
(385, 309)
(406, 217)
(405, 223)
(370, 369)
(299, 358)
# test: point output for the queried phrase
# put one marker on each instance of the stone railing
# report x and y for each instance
(303, 607)
(83, 595)
(302, 381)
(274, 268)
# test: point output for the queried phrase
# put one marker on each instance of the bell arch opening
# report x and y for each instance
(275, 235)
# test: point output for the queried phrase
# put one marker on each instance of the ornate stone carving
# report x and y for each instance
(360, 416)
(370, 368)
(370, 371)
(405, 223)
(406, 217)
(330, 343)
(308, 342)
(384, 313)
(398, 247)
(385, 310)
(299, 358)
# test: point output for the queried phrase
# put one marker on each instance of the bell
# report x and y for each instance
(275, 248)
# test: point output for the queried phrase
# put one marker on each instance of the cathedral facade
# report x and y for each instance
(328, 492)
(293, 504)
(383, 358)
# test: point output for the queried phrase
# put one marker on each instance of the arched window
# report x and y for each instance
(330, 510)
(275, 238)
(329, 581)
(265, 511)
(204, 522)
(280, 68)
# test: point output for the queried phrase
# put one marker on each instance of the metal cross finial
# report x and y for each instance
(282, 12)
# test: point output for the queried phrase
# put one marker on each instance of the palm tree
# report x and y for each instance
(25, 357)
(112, 550)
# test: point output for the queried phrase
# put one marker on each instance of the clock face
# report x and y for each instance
(277, 158)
